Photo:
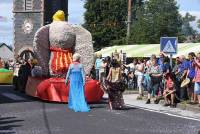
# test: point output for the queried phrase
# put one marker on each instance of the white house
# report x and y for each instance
(6, 52)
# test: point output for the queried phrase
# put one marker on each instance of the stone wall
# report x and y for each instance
(26, 23)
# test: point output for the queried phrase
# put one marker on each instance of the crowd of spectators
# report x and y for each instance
(179, 82)
(22, 69)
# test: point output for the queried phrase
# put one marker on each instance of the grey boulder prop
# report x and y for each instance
(63, 35)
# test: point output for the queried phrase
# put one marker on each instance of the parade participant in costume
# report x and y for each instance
(77, 81)
(53, 46)
(115, 87)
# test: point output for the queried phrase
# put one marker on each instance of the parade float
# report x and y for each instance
(6, 76)
(53, 45)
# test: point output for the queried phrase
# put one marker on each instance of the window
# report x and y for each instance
(28, 5)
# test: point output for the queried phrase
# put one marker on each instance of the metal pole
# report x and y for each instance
(171, 60)
(67, 10)
(129, 20)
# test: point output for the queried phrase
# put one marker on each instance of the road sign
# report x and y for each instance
(168, 45)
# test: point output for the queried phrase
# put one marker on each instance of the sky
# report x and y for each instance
(76, 11)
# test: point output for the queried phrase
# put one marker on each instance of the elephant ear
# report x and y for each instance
(84, 47)
(41, 48)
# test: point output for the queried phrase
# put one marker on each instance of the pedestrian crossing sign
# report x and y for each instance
(168, 45)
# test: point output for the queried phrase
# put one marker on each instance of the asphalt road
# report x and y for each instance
(20, 114)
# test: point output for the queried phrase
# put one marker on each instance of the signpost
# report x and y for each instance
(168, 45)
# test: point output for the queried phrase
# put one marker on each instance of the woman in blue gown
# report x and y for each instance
(76, 76)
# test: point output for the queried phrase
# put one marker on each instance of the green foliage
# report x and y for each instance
(158, 18)
(106, 20)
(187, 30)
(198, 23)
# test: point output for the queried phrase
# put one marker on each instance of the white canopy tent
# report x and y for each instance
(146, 50)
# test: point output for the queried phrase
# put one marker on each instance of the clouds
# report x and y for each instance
(6, 27)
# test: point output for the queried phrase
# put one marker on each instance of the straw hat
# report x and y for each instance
(185, 82)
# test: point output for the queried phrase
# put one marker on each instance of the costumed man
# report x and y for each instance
(54, 45)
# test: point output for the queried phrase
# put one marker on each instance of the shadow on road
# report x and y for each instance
(8, 95)
(7, 124)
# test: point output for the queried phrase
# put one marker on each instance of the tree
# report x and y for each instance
(187, 30)
(158, 18)
(198, 23)
(106, 20)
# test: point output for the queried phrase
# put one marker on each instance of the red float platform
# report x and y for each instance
(55, 89)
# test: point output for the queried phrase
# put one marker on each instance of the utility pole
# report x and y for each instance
(129, 20)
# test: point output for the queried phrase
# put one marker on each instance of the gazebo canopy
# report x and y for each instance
(146, 50)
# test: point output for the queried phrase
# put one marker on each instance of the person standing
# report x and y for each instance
(183, 68)
(190, 75)
(155, 74)
(166, 70)
(1, 63)
(76, 77)
(97, 65)
(6, 65)
(121, 57)
(11, 64)
(15, 75)
(197, 77)
(115, 87)
(177, 76)
(132, 68)
(140, 76)
(102, 71)
(23, 74)
(116, 56)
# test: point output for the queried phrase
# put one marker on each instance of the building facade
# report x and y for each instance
(29, 16)
(6, 52)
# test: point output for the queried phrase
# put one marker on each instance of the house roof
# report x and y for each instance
(4, 44)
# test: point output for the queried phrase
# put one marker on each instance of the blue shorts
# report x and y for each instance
(197, 88)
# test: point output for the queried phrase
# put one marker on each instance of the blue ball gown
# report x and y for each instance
(76, 99)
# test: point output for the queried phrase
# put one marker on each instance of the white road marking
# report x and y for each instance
(166, 113)
(13, 96)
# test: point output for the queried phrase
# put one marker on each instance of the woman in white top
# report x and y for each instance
(102, 71)
(140, 75)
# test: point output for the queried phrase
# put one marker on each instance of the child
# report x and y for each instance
(169, 92)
